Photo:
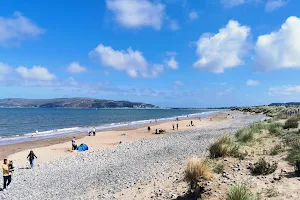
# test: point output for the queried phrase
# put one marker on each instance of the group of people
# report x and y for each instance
(8, 169)
(174, 126)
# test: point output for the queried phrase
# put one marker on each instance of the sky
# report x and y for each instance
(171, 53)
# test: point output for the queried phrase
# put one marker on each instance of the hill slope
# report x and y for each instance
(70, 103)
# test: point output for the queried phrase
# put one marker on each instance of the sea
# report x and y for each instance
(20, 124)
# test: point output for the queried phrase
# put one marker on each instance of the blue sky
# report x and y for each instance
(196, 53)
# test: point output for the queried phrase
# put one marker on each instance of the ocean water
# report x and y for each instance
(19, 124)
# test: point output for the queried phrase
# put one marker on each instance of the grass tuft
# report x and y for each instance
(224, 146)
(275, 128)
(240, 192)
(196, 169)
(291, 123)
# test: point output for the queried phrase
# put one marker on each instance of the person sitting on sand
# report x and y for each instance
(156, 131)
(149, 128)
(31, 156)
(5, 169)
(74, 146)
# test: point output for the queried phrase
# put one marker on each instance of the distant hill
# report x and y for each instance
(286, 104)
(70, 103)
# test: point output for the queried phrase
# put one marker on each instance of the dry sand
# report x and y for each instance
(49, 149)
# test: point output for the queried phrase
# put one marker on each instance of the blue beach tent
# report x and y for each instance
(82, 147)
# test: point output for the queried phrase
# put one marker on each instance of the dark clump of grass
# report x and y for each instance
(224, 146)
(275, 128)
(294, 152)
(240, 192)
(291, 123)
(262, 167)
(276, 150)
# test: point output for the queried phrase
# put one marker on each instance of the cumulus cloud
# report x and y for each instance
(35, 73)
(193, 15)
(131, 61)
(172, 63)
(251, 82)
(5, 69)
(232, 3)
(224, 49)
(137, 13)
(174, 25)
(279, 49)
(17, 28)
(178, 84)
(286, 90)
(76, 68)
(274, 5)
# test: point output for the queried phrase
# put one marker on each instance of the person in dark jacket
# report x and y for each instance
(31, 156)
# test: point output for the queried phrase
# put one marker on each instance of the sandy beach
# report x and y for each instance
(103, 173)
(49, 149)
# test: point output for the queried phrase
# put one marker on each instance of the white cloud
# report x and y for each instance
(232, 3)
(224, 49)
(193, 15)
(251, 82)
(5, 69)
(279, 49)
(35, 73)
(174, 25)
(155, 71)
(286, 90)
(178, 84)
(76, 68)
(133, 62)
(17, 28)
(172, 63)
(137, 13)
(274, 4)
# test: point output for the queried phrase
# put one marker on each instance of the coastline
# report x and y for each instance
(53, 148)
(54, 132)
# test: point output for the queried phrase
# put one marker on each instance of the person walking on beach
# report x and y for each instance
(177, 126)
(149, 128)
(173, 127)
(5, 169)
(94, 131)
(31, 156)
(74, 146)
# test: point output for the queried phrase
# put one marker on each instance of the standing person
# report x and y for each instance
(177, 126)
(149, 128)
(11, 170)
(36, 133)
(74, 146)
(5, 169)
(191, 123)
(31, 156)
(94, 131)
(173, 126)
